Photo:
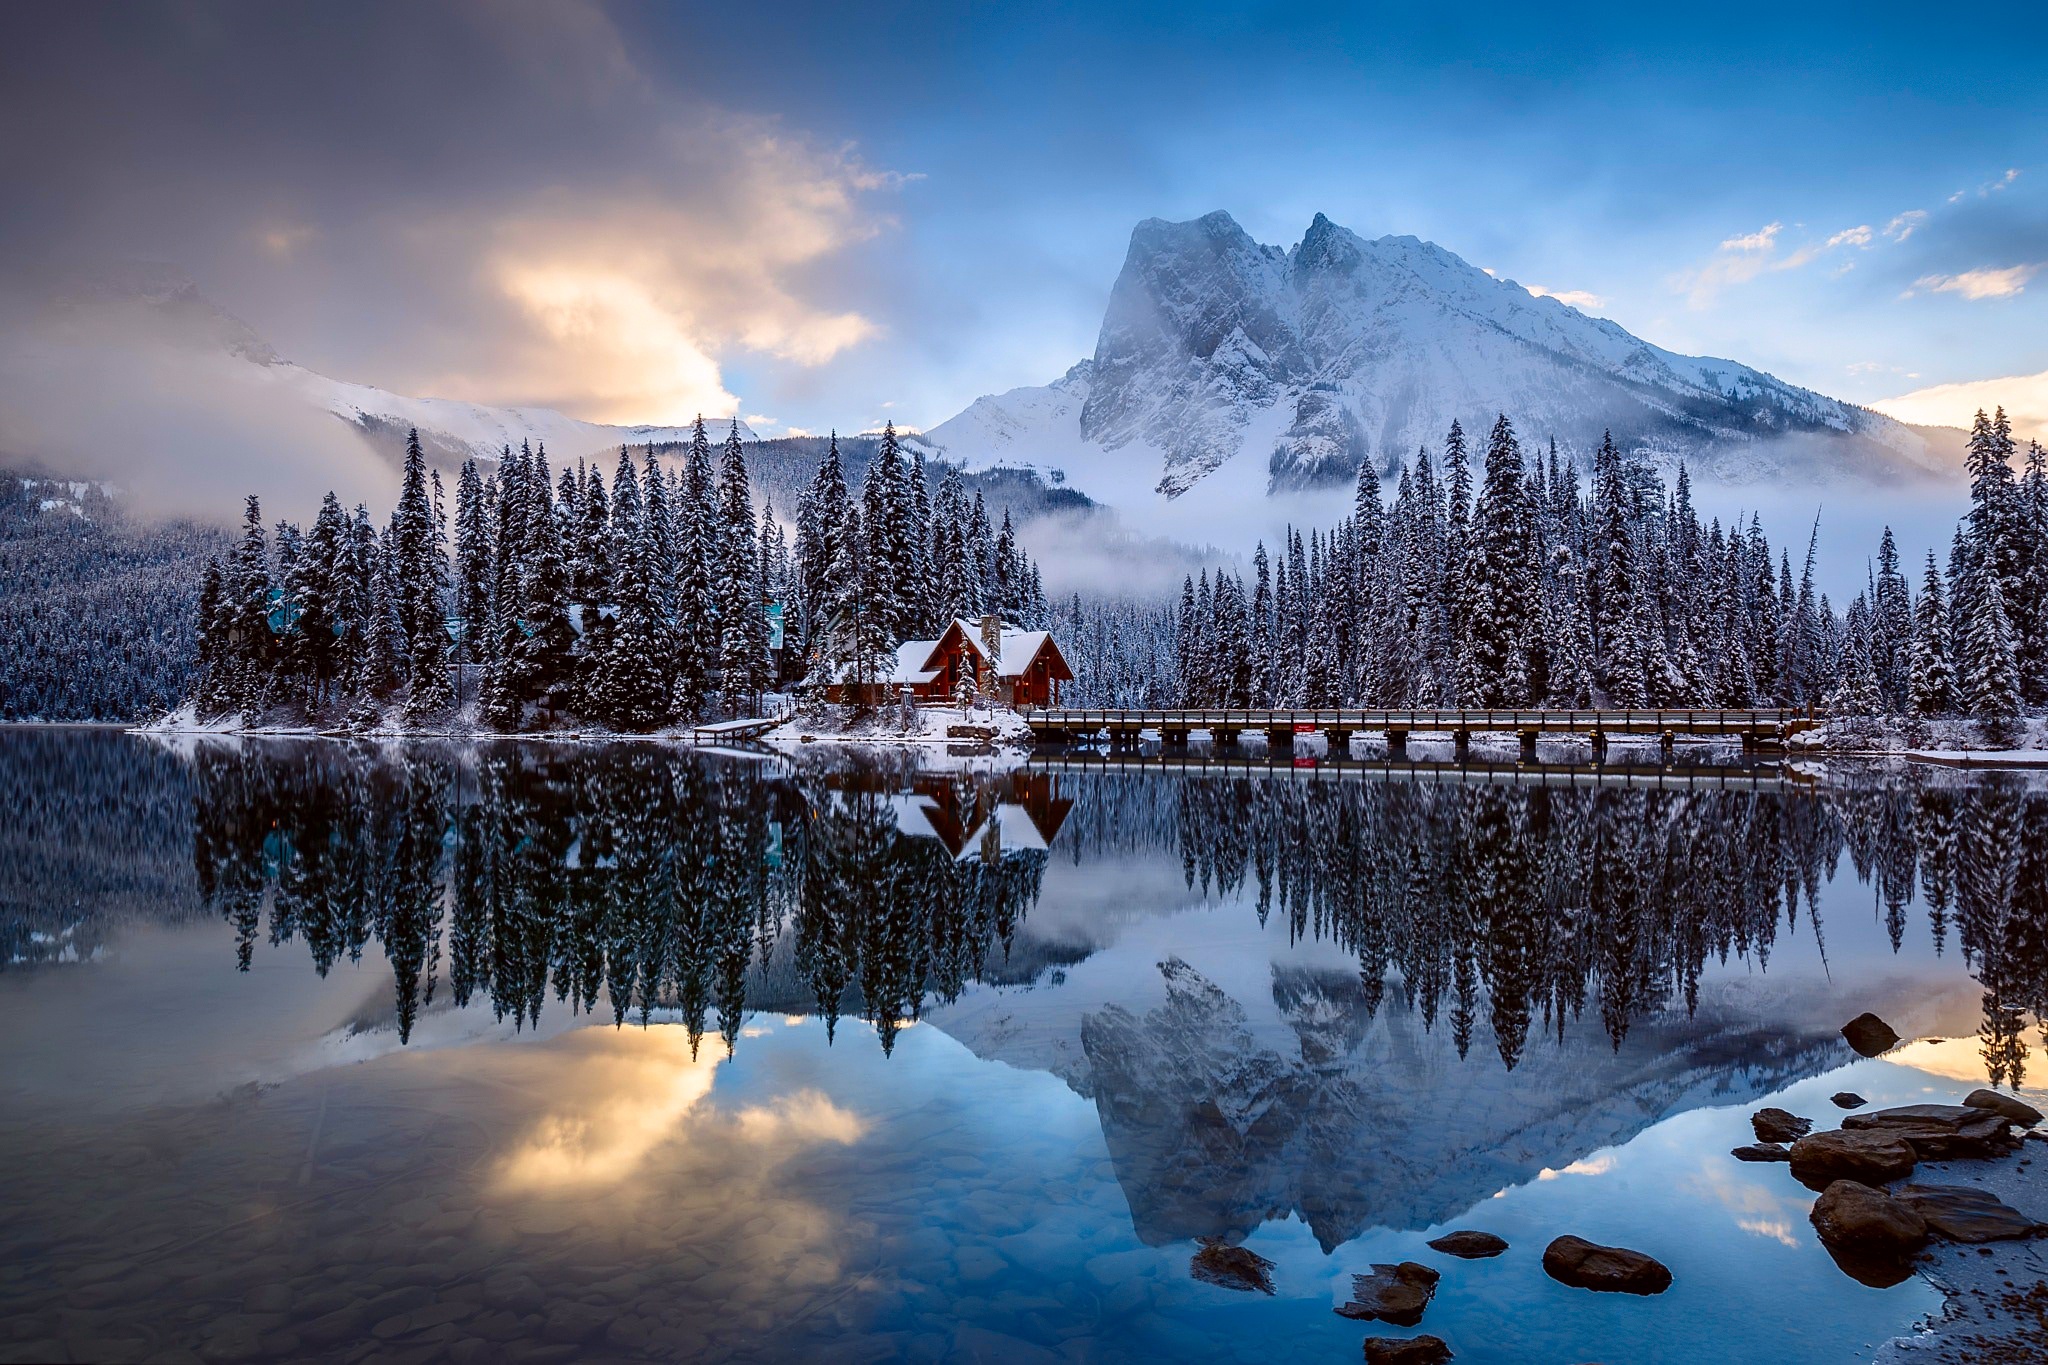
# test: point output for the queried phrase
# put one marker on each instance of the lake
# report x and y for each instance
(335, 1051)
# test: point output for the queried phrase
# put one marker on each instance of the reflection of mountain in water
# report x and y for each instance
(1365, 1118)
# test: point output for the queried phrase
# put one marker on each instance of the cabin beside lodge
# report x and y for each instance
(1016, 667)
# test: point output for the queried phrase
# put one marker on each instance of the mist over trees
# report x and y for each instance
(1540, 590)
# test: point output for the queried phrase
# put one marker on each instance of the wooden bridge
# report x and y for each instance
(1756, 729)
(1771, 777)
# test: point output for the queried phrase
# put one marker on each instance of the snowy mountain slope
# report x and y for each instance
(1311, 360)
(159, 304)
(456, 430)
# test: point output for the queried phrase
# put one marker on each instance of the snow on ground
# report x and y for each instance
(1959, 742)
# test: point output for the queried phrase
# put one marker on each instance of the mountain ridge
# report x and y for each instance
(1337, 351)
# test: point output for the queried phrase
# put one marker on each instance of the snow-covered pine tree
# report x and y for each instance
(696, 606)
(473, 568)
(1891, 633)
(1990, 669)
(251, 644)
(1259, 681)
(1503, 575)
(1933, 675)
(420, 565)
(743, 652)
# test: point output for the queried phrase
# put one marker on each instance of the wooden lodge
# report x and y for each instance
(1017, 667)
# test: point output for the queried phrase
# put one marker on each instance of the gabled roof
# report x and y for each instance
(1019, 646)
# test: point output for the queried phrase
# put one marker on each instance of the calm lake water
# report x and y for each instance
(315, 1050)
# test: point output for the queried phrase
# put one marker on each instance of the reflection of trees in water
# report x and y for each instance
(1523, 902)
(656, 881)
(637, 876)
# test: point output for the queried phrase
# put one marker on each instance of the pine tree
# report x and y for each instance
(1990, 669)
(697, 637)
(743, 653)
(1933, 680)
(1504, 574)
(420, 579)
(473, 567)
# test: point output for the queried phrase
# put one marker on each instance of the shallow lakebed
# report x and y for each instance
(317, 1050)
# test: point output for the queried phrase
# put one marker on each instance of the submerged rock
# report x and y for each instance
(1848, 1099)
(1392, 1293)
(1872, 1157)
(1870, 1035)
(1871, 1235)
(1964, 1213)
(1472, 1246)
(1762, 1151)
(1615, 1270)
(1940, 1132)
(1423, 1350)
(1778, 1125)
(1229, 1267)
(2020, 1112)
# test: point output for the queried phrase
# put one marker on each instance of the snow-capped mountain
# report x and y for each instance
(1312, 360)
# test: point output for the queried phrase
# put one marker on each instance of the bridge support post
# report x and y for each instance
(1340, 742)
(1528, 746)
(1667, 742)
(1599, 746)
(1461, 745)
(1397, 744)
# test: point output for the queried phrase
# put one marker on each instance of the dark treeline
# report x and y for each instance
(1536, 591)
(638, 604)
(636, 879)
(96, 607)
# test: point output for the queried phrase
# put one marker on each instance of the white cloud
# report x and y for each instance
(1743, 258)
(1761, 240)
(618, 306)
(1571, 298)
(2023, 396)
(1903, 226)
(1979, 284)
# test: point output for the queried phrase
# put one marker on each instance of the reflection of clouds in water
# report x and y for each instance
(1777, 1229)
(631, 1095)
(1955, 1059)
(1596, 1165)
(1759, 1210)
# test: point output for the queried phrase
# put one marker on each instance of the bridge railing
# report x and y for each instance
(1724, 720)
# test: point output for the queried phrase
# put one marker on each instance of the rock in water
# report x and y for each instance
(1472, 1246)
(2025, 1115)
(1588, 1265)
(1777, 1125)
(1392, 1293)
(1849, 1099)
(1964, 1213)
(1411, 1351)
(1229, 1267)
(1871, 1235)
(1870, 1035)
(1762, 1151)
(1874, 1158)
(1940, 1132)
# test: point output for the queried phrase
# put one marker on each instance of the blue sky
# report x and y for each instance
(829, 215)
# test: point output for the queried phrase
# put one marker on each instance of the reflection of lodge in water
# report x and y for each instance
(971, 817)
